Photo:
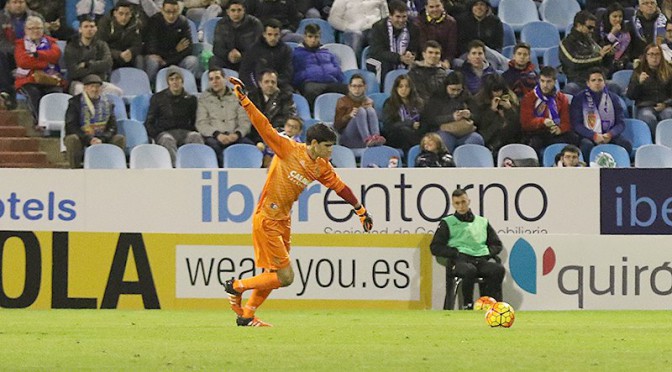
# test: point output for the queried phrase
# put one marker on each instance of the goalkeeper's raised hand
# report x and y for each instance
(364, 218)
(239, 90)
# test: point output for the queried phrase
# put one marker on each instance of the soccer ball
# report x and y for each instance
(500, 315)
(484, 303)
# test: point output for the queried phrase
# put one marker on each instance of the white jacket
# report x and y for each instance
(357, 15)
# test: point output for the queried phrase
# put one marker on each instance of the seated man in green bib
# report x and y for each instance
(469, 241)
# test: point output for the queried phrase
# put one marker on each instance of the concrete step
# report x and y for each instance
(21, 118)
(19, 144)
(15, 157)
(25, 165)
(12, 131)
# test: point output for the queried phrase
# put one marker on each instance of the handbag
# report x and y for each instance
(43, 78)
(459, 128)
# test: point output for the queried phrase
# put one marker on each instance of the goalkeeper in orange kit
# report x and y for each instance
(294, 167)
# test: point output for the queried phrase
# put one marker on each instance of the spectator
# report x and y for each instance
(89, 120)
(544, 114)
(593, 5)
(427, 75)
(651, 87)
(355, 118)
(277, 105)
(456, 8)
(480, 24)
(401, 115)
(172, 114)
(168, 41)
(317, 69)
(521, 76)
(86, 54)
(235, 33)
(394, 42)
(470, 242)
(284, 11)
(121, 31)
(269, 53)
(597, 116)
(449, 114)
(292, 129)
(37, 72)
(496, 113)
(666, 8)
(476, 67)
(579, 53)
(666, 46)
(354, 18)
(434, 153)
(569, 157)
(435, 24)
(219, 118)
(53, 12)
(649, 26)
(614, 30)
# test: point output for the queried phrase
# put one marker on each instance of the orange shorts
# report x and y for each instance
(271, 242)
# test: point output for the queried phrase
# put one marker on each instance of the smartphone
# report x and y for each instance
(615, 45)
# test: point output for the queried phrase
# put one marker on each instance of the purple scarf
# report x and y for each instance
(543, 102)
(598, 119)
(400, 43)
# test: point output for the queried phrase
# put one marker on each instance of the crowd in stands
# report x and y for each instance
(446, 75)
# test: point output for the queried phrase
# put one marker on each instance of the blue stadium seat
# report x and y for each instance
(195, 155)
(473, 156)
(619, 154)
(378, 157)
(241, 155)
(134, 131)
(517, 13)
(343, 157)
(664, 133)
(119, 106)
(509, 35)
(104, 156)
(302, 106)
(51, 114)
(540, 35)
(327, 34)
(515, 151)
(140, 107)
(344, 54)
(193, 29)
(325, 106)
(150, 156)
(209, 30)
(653, 156)
(558, 12)
(378, 103)
(307, 123)
(638, 132)
(364, 56)
(132, 81)
(413, 153)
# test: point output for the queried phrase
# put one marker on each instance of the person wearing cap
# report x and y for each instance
(171, 117)
(121, 31)
(89, 120)
(480, 23)
(87, 54)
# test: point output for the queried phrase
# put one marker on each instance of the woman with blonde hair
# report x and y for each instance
(434, 153)
(651, 87)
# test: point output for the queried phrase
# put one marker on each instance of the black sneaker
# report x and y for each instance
(235, 297)
(469, 306)
(251, 322)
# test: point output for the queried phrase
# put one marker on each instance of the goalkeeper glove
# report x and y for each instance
(364, 218)
(239, 90)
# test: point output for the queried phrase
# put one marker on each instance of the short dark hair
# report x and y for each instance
(583, 16)
(595, 70)
(216, 69)
(454, 78)
(312, 28)
(549, 72)
(267, 71)
(321, 133)
(431, 44)
(357, 76)
(459, 192)
(397, 6)
(570, 148)
(169, 2)
(475, 44)
(522, 45)
(235, 2)
(272, 23)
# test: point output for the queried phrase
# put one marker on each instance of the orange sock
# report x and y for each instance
(257, 298)
(265, 280)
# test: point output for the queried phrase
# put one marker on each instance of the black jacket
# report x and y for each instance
(262, 56)
(277, 109)
(73, 123)
(428, 159)
(167, 111)
(282, 10)
(651, 92)
(96, 56)
(162, 38)
(379, 41)
(488, 30)
(578, 54)
(440, 109)
(497, 131)
(439, 245)
(120, 38)
(228, 37)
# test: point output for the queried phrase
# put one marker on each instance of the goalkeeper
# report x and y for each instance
(294, 167)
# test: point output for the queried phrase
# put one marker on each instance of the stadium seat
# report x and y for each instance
(516, 151)
(638, 132)
(517, 13)
(378, 103)
(302, 106)
(150, 156)
(343, 157)
(119, 106)
(664, 133)
(140, 107)
(132, 81)
(413, 153)
(307, 123)
(71, 12)
(205, 81)
(620, 155)
(241, 155)
(134, 131)
(378, 157)
(61, 61)
(541, 36)
(473, 156)
(189, 80)
(104, 156)
(653, 156)
(372, 85)
(292, 44)
(622, 79)
(454, 283)
(325, 106)
(558, 12)
(509, 35)
(364, 56)
(327, 34)
(195, 155)
(51, 115)
(551, 151)
(193, 29)
(209, 30)
(344, 54)
(390, 77)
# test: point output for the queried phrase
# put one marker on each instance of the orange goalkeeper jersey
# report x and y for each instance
(290, 172)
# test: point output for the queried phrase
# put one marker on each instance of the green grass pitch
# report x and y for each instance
(338, 340)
